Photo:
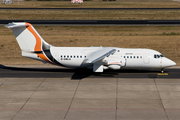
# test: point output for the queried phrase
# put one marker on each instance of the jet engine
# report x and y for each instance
(114, 67)
(114, 64)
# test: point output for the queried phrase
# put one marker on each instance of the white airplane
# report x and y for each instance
(97, 58)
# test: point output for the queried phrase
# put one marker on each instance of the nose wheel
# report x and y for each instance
(162, 70)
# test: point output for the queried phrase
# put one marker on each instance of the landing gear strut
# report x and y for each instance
(162, 70)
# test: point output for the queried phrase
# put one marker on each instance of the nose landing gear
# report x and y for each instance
(162, 70)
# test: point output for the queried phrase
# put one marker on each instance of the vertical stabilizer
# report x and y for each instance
(27, 37)
(30, 42)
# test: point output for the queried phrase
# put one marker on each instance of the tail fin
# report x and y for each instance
(30, 42)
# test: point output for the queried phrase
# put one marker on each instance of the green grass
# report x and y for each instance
(89, 15)
(97, 4)
(168, 28)
(171, 33)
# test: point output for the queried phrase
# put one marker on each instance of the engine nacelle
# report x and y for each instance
(114, 64)
(114, 67)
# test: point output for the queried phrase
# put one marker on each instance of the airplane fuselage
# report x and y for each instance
(75, 57)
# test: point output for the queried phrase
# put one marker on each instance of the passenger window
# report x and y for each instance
(137, 56)
(140, 56)
(74, 56)
(130, 56)
(127, 56)
(77, 56)
(68, 56)
(124, 56)
(71, 56)
(64, 56)
(80, 56)
(84, 56)
(61, 55)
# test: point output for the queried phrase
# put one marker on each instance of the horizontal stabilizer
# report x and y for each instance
(99, 55)
(17, 24)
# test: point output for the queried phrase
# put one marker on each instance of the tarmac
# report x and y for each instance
(89, 98)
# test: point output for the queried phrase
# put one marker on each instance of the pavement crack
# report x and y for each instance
(161, 99)
(3, 82)
(72, 99)
(27, 100)
(116, 99)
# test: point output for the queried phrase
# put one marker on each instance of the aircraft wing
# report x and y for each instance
(99, 55)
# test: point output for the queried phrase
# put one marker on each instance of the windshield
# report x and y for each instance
(161, 55)
(158, 55)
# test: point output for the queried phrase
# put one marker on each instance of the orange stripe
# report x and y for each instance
(42, 56)
(115, 63)
(38, 42)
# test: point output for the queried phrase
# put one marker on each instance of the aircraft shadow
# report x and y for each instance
(37, 69)
(78, 74)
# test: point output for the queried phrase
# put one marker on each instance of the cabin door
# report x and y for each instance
(146, 58)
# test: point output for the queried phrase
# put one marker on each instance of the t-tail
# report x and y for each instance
(30, 42)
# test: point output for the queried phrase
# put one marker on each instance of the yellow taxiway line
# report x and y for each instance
(162, 73)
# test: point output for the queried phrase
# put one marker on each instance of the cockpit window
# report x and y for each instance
(161, 55)
(155, 56)
(158, 56)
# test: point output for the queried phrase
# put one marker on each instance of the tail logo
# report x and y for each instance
(38, 47)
